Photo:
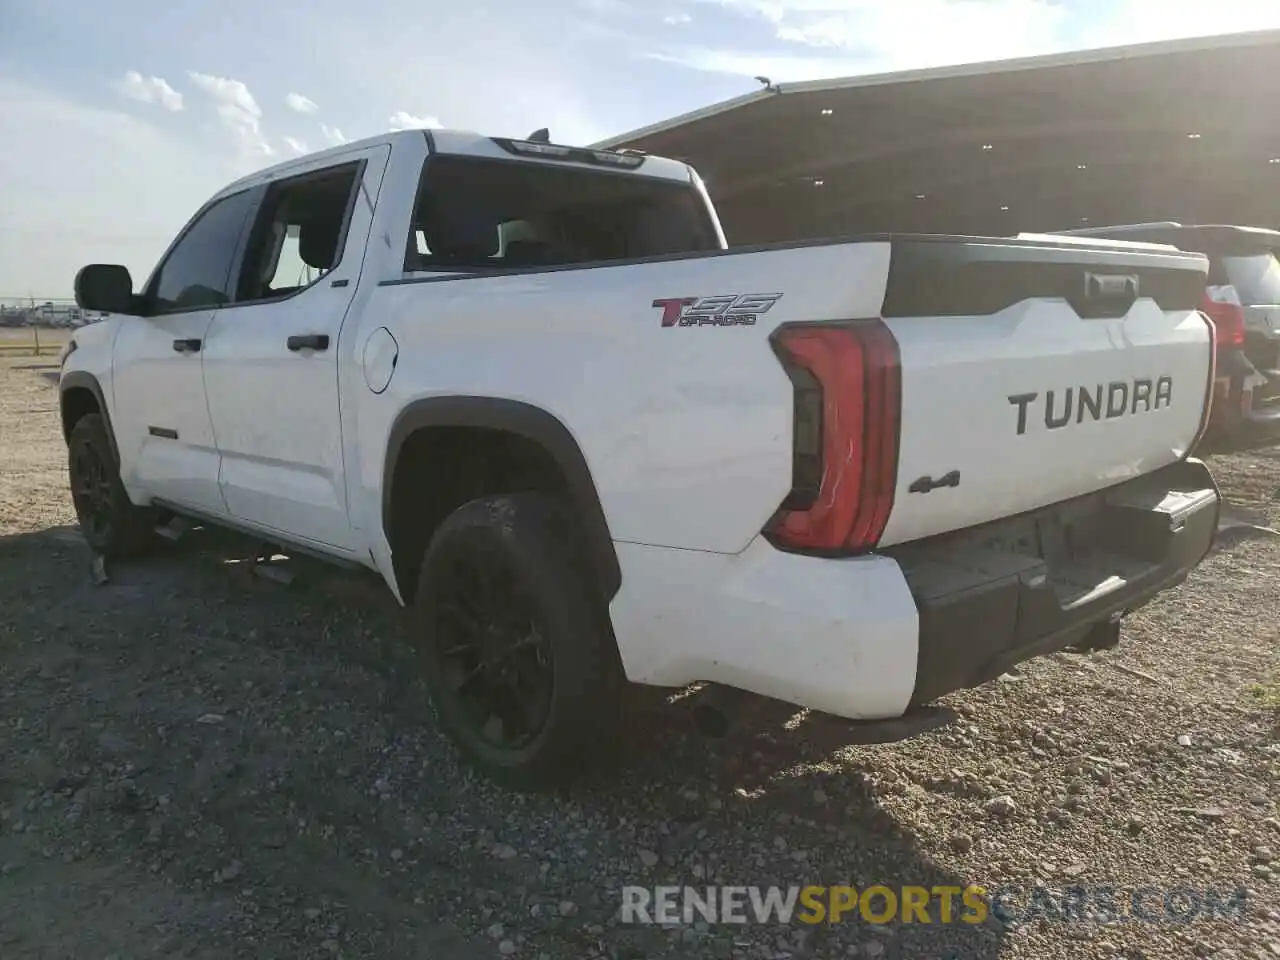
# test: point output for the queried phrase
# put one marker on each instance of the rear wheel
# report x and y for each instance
(111, 524)
(516, 645)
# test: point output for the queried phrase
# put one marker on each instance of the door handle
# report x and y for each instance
(188, 345)
(309, 341)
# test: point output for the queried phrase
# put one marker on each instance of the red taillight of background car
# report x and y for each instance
(848, 406)
(1222, 306)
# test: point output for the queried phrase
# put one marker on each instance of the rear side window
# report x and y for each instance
(476, 214)
(1256, 278)
(300, 233)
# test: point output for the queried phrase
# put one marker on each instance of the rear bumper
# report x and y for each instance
(994, 597)
(870, 637)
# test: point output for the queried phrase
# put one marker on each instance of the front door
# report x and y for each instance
(271, 359)
(161, 420)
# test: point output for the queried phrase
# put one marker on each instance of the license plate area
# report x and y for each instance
(1056, 535)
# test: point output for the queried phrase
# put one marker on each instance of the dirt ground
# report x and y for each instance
(196, 762)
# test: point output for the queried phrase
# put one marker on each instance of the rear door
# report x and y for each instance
(271, 360)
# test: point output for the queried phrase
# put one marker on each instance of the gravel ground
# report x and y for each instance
(200, 763)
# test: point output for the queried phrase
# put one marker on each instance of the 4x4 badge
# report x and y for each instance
(722, 310)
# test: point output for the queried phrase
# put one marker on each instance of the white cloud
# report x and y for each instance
(294, 144)
(238, 110)
(675, 19)
(332, 134)
(300, 104)
(150, 90)
(400, 120)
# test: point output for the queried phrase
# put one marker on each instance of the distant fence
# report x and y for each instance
(31, 341)
(33, 311)
(31, 326)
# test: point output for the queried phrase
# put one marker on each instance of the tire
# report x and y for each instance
(562, 708)
(112, 525)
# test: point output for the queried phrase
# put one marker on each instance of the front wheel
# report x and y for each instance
(516, 645)
(112, 525)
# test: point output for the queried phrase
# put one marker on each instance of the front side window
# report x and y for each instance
(196, 274)
(476, 214)
(299, 235)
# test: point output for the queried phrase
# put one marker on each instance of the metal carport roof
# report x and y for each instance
(1184, 130)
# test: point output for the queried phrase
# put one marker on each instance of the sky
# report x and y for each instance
(118, 121)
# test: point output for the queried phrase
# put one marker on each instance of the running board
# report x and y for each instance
(193, 518)
(269, 566)
(175, 529)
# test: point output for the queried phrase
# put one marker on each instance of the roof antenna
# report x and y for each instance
(542, 135)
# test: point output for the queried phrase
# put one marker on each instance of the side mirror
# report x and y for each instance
(105, 287)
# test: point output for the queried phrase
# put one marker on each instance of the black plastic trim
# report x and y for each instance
(988, 597)
(532, 423)
(164, 433)
(964, 278)
(1023, 251)
(581, 155)
(80, 379)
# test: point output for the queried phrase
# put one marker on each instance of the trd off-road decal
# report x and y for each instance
(722, 310)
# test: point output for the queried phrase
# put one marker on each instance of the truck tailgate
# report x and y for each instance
(1037, 371)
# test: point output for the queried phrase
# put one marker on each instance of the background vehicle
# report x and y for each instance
(528, 384)
(1242, 297)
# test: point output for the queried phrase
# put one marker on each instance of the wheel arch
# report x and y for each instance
(74, 392)
(530, 423)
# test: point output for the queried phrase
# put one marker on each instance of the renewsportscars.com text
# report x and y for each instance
(972, 904)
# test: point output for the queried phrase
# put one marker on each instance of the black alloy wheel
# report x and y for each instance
(517, 650)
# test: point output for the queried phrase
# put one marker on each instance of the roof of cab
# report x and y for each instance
(445, 142)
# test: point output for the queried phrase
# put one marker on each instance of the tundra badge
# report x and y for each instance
(1099, 401)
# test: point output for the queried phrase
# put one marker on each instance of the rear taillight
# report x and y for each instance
(848, 403)
(1222, 306)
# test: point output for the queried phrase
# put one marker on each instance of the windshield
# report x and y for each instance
(1256, 278)
(488, 214)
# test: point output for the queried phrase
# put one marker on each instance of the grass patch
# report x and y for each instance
(1267, 694)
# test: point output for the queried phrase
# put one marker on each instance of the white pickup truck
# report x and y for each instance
(589, 444)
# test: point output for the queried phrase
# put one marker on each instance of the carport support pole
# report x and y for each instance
(36, 328)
